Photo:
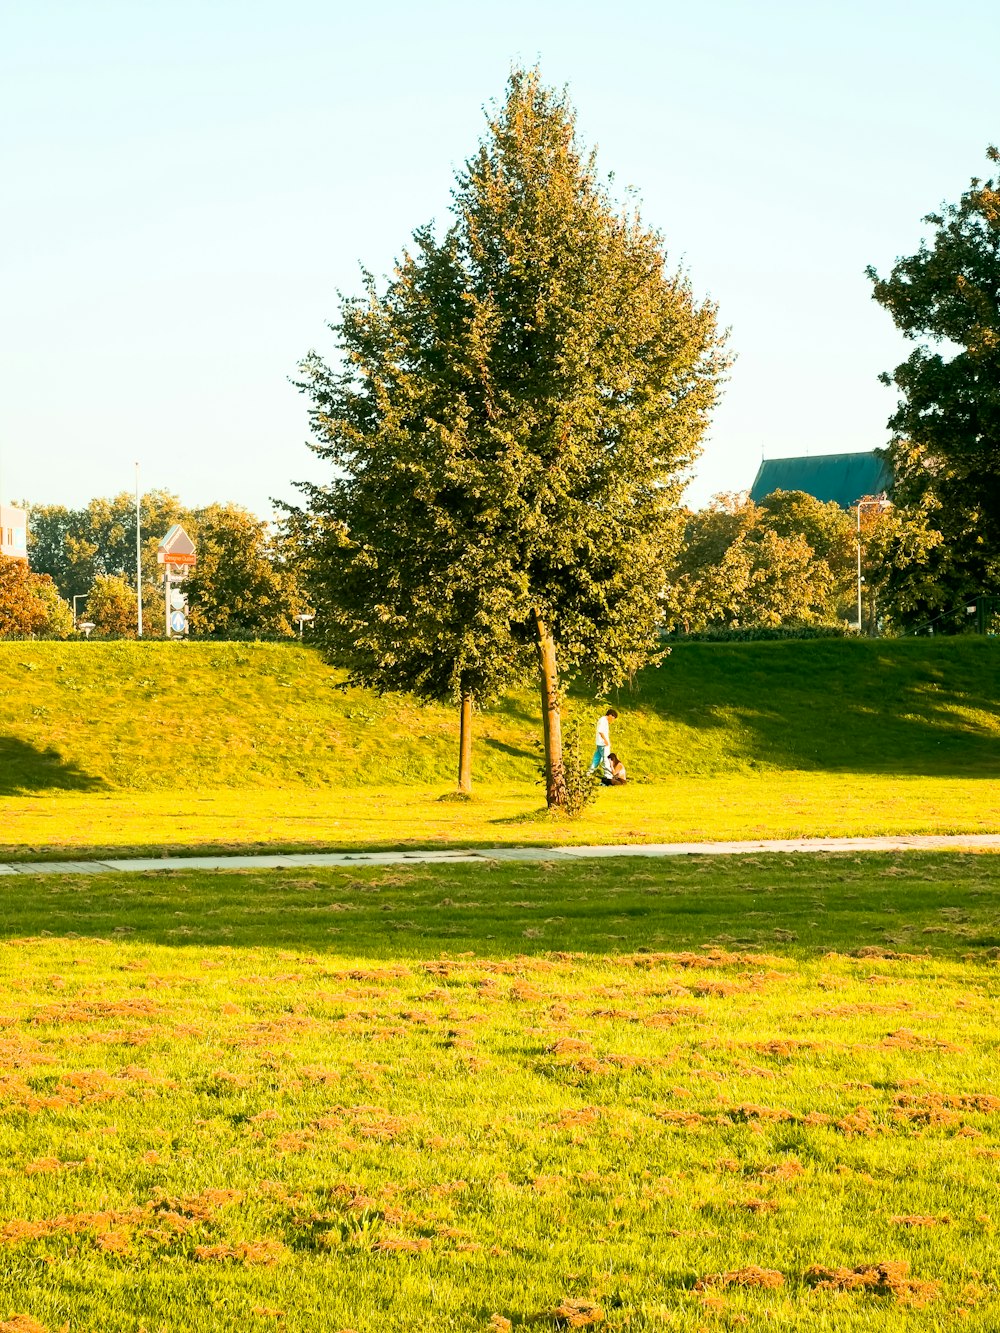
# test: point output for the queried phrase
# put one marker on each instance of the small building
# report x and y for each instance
(845, 478)
(13, 531)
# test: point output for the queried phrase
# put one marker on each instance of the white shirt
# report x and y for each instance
(603, 731)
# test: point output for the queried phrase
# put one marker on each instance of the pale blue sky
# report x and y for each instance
(187, 183)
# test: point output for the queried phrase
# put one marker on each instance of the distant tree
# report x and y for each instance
(527, 392)
(27, 600)
(296, 539)
(832, 533)
(829, 530)
(945, 448)
(111, 606)
(246, 584)
(50, 528)
(927, 557)
(238, 586)
(743, 566)
(75, 546)
(58, 612)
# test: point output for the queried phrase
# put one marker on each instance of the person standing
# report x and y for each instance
(603, 745)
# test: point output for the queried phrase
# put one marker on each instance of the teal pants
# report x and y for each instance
(600, 761)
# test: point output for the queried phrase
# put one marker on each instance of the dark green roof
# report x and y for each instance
(841, 477)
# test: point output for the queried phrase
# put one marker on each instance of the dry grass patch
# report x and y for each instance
(769, 1279)
(886, 1278)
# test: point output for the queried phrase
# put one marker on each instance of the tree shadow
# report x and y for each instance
(904, 707)
(513, 750)
(27, 768)
(600, 906)
(516, 706)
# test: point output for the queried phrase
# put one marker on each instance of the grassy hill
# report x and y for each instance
(156, 716)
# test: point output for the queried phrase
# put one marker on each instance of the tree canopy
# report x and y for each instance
(510, 427)
(247, 581)
(111, 607)
(239, 585)
(76, 546)
(411, 592)
(945, 448)
(30, 603)
(785, 562)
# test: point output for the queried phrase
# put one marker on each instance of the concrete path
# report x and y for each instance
(955, 842)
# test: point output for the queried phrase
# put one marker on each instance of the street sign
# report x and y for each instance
(177, 555)
(176, 548)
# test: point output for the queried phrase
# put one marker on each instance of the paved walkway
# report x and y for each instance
(955, 842)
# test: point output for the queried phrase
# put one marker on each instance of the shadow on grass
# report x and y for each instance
(904, 707)
(911, 907)
(513, 750)
(542, 815)
(26, 768)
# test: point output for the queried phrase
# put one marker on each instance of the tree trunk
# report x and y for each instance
(555, 781)
(465, 742)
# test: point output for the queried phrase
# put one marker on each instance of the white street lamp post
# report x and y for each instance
(76, 598)
(859, 566)
(138, 553)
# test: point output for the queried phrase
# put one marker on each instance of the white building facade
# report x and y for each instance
(14, 531)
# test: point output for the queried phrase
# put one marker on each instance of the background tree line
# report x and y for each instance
(249, 580)
(791, 561)
(788, 562)
(508, 424)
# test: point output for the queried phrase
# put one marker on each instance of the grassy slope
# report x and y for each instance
(168, 716)
(214, 746)
(241, 1102)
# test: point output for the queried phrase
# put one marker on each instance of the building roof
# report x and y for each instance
(841, 477)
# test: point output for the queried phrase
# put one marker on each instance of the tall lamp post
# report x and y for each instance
(138, 554)
(882, 503)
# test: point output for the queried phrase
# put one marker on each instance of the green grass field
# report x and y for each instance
(770, 805)
(481, 1097)
(196, 746)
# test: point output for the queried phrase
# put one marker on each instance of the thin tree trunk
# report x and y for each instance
(555, 780)
(465, 742)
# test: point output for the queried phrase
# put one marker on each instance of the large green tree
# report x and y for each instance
(542, 382)
(414, 583)
(945, 448)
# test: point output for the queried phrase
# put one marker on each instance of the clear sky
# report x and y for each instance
(187, 184)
